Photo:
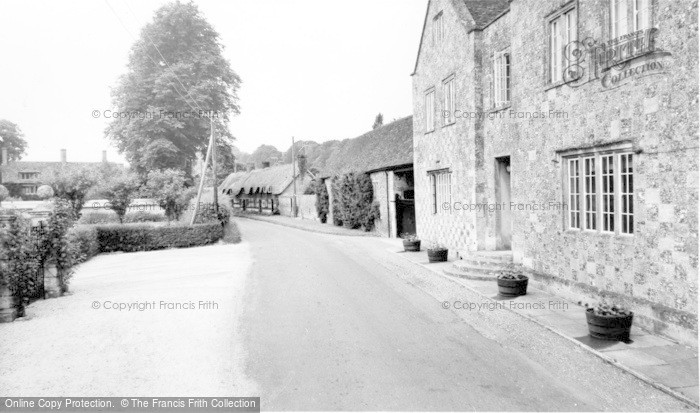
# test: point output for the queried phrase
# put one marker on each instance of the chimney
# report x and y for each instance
(4, 156)
(63, 155)
(104, 156)
(265, 165)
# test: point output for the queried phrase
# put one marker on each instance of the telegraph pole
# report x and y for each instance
(294, 180)
(213, 163)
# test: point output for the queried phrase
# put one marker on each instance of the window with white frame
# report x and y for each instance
(448, 103)
(430, 110)
(641, 15)
(501, 79)
(562, 31)
(618, 18)
(29, 190)
(438, 29)
(441, 190)
(600, 192)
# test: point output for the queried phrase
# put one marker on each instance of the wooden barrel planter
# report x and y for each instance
(512, 287)
(437, 255)
(609, 327)
(411, 245)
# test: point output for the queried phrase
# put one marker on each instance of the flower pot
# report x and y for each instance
(512, 288)
(609, 327)
(411, 245)
(438, 255)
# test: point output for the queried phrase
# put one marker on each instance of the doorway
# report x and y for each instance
(504, 225)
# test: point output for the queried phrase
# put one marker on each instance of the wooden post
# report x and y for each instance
(294, 180)
(201, 181)
(213, 165)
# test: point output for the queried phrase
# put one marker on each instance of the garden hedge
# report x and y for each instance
(130, 238)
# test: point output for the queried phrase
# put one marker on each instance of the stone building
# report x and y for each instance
(565, 134)
(386, 154)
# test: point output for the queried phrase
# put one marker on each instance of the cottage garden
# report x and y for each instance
(39, 249)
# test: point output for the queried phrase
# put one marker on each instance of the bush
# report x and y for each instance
(206, 213)
(321, 200)
(168, 189)
(130, 238)
(355, 205)
(98, 217)
(84, 239)
(143, 216)
(4, 193)
(44, 192)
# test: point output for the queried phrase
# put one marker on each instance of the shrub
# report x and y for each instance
(143, 216)
(73, 185)
(84, 238)
(20, 257)
(207, 213)
(355, 201)
(4, 193)
(58, 248)
(120, 191)
(167, 188)
(98, 217)
(321, 200)
(130, 238)
(44, 192)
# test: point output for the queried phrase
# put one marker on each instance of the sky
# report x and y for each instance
(310, 69)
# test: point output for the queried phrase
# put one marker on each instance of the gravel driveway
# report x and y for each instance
(179, 337)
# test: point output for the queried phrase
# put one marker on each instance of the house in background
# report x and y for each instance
(386, 154)
(23, 178)
(268, 190)
(585, 172)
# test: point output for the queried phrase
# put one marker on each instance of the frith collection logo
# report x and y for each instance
(611, 61)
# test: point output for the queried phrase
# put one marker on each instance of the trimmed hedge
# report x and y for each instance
(130, 238)
(84, 238)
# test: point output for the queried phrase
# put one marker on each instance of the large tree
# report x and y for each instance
(175, 70)
(12, 138)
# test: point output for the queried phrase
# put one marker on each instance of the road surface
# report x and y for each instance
(333, 322)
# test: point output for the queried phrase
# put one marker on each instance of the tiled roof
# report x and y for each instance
(9, 173)
(484, 12)
(385, 147)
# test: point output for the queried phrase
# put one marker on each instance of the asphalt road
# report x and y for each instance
(332, 323)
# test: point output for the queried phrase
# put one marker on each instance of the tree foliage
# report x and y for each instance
(73, 185)
(12, 138)
(167, 188)
(353, 205)
(176, 68)
(378, 121)
(119, 192)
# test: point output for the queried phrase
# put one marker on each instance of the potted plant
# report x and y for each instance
(512, 282)
(609, 322)
(411, 242)
(437, 253)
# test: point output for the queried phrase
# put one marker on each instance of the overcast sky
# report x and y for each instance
(313, 69)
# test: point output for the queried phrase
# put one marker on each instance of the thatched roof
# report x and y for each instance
(272, 180)
(388, 146)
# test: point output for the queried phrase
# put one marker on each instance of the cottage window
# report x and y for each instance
(438, 29)
(441, 190)
(501, 79)
(28, 175)
(600, 188)
(449, 100)
(29, 190)
(562, 31)
(430, 110)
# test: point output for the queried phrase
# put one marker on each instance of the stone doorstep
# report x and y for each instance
(651, 358)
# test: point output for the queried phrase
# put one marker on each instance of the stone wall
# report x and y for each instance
(655, 270)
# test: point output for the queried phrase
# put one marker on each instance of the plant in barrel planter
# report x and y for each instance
(609, 322)
(437, 253)
(512, 282)
(410, 242)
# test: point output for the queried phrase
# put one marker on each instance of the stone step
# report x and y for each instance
(478, 268)
(469, 275)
